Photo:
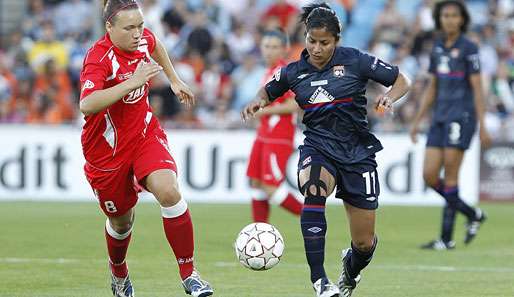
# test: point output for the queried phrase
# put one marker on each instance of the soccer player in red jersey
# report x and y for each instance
(275, 139)
(124, 145)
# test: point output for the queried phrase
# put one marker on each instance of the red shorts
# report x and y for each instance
(116, 190)
(268, 162)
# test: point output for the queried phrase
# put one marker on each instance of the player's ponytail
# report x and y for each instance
(113, 7)
(320, 15)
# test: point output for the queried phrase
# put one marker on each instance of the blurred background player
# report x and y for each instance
(275, 138)
(330, 85)
(122, 141)
(455, 91)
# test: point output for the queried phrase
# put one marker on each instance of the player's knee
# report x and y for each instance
(169, 196)
(121, 227)
(431, 178)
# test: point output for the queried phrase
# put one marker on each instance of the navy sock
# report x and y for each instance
(451, 194)
(314, 228)
(359, 259)
(448, 223)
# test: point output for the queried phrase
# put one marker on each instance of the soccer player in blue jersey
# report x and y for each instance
(455, 95)
(329, 82)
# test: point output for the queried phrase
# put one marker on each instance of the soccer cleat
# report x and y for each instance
(346, 283)
(473, 226)
(196, 287)
(438, 245)
(325, 288)
(121, 287)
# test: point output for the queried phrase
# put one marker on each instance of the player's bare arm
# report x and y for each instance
(183, 92)
(476, 84)
(260, 101)
(102, 99)
(426, 103)
(401, 86)
(289, 106)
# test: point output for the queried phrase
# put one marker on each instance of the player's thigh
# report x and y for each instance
(274, 163)
(156, 170)
(452, 162)
(254, 168)
(162, 183)
(362, 226)
(432, 165)
(316, 174)
(117, 200)
(358, 184)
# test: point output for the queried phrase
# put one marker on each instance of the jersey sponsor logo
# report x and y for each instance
(338, 71)
(319, 83)
(444, 65)
(88, 85)
(321, 95)
(132, 62)
(135, 95)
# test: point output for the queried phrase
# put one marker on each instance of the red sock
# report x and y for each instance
(178, 228)
(117, 245)
(260, 210)
(292, 204)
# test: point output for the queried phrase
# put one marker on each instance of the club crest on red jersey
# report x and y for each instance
(338, 71)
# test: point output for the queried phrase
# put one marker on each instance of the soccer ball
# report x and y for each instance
(259, 246)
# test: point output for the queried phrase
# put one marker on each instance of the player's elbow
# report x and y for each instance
(85, 107)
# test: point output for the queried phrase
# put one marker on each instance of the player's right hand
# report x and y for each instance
(250, 109)
(414, 133)
(144, 72)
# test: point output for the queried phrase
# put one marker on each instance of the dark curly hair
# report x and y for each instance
(463, 12)
(113, 7)
(320, 15)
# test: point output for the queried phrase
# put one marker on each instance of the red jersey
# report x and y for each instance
(277, 127)
(110, 136)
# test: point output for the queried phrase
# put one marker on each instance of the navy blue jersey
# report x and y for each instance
(334, 101)
(452, 67)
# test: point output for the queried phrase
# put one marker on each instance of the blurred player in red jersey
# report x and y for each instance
(123, 142)
(275, 139)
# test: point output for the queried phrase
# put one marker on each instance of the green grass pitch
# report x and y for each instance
(58, 250)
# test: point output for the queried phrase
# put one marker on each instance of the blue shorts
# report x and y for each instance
(356, 184)
(456, 134)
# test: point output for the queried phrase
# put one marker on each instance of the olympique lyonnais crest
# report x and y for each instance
(455, 53)
(338, 71)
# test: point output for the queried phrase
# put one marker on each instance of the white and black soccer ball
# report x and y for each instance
(259, 246)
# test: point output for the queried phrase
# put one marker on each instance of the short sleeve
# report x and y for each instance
(92, 78)
(150, 37)
(373, 68)
(278, 85)
(472, 59)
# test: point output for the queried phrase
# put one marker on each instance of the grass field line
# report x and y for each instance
(13, 260)
(400, 267)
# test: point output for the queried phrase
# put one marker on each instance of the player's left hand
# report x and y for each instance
(485, 138)
(383, 104)
(183, 93)
(251, 109)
